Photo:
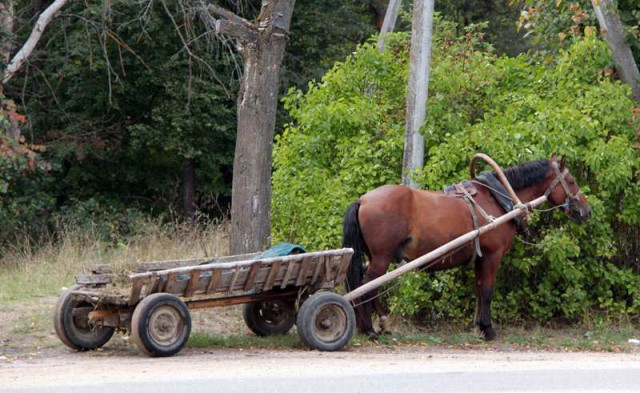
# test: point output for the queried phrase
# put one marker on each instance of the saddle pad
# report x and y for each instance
(454, 192)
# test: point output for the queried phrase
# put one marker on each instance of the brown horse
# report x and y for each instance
(396, 223)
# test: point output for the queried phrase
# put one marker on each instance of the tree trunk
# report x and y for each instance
(611, 28)
(6, 44)
(390, 18)
(189, 188)
(422, 27)
(6, 24)
(262, 44)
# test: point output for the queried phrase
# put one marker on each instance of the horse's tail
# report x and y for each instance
(352, 237)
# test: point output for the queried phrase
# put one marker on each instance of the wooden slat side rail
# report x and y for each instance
(252, 275)
(234, 279)
(344, 262)
(261, 274)
(288, 273)
(316, 270)
(153, 286)
(271, 277)
(245, 263)
(193, 283)
(302, 273)
(213, 282)
(136, 289)
(170, 286)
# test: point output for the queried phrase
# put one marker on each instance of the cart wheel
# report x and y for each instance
(269, 318)
(326, 321)
(161, 324)
(71, 323)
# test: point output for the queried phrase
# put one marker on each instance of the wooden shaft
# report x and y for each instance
(440, 251)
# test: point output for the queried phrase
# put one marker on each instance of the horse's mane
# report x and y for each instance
(527, 174)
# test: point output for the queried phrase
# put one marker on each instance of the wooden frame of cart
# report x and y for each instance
(277, 292)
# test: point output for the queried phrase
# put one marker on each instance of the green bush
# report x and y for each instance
(346, 138)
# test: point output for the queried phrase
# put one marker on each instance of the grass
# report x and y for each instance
(29, 272)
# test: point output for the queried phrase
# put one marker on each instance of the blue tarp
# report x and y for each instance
(281, 249)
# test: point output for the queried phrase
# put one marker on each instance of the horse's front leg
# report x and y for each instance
(486, 269)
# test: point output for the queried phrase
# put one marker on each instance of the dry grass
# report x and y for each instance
(31, 272)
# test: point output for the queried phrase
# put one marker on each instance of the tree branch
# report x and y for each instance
(43, 20)
(232, 25)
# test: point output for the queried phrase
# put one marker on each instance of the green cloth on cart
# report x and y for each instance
(280, 250)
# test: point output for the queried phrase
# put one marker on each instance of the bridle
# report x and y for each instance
(560, 178)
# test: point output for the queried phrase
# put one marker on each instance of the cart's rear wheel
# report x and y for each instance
(72, 325)
(326, 321)
(269, 318)
(161, 324)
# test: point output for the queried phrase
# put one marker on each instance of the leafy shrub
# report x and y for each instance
(346, 138)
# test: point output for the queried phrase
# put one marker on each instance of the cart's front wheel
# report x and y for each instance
(72, 325)
(161, 324)
(326, 321)
(269, 318)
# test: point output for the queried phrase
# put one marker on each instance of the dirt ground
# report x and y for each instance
(26, 330)
(27, 333)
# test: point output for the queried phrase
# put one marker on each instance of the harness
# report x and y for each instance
(467, 190)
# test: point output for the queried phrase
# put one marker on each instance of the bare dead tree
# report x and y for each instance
(23, 54)
(262, 44)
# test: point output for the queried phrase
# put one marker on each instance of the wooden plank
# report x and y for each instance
(136, 288)
(232, 284)
(153, 286)
(345, 261)
(327, 269)
(93, 279)
(170, 286)
(213, 282)
(100, 269)
(316, 270)
(170, 264)
(240, 299)
(273, 273)
(252, 275)
(288, 273)
(193, 283)
(302, 273)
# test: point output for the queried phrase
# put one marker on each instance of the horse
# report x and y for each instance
(397, 223)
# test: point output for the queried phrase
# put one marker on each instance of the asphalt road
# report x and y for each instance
(408, 369)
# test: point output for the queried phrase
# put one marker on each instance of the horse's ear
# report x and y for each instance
(554, 157)
(563, 162)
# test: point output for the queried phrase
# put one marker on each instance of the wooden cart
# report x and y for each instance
(154, 304)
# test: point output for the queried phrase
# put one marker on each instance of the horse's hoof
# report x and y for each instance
(373, 336)
(489, 334)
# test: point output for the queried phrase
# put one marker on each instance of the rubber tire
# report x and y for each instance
(76, 333)
(264, 323)
(151, 319)
(326, 321)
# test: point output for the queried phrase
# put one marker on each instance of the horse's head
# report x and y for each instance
(564, 191)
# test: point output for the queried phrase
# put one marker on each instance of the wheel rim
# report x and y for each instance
(273, 313)
(329, 323)
(166, 326)
(80, 318)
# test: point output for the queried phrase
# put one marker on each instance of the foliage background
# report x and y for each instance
(346, 138)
